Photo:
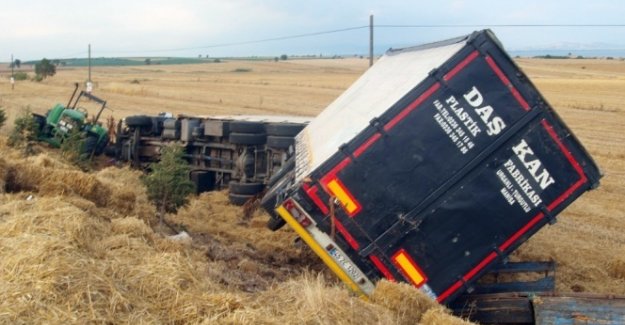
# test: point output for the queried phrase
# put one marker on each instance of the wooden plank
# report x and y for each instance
(579, 310)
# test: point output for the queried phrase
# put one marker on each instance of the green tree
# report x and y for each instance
(283, 57)
(148, 61)
(15, 64)
(25, 131)
(168, 184)
(44, 69)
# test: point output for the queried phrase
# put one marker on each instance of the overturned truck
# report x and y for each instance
(431, 169)
(241, 153)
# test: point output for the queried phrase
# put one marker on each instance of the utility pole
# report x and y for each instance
(12, 73)
(89, 87)
(89, 60)
(371, 40)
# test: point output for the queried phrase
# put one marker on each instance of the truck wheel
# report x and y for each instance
(275, 223)
(248, 138)
(239, 199)
(245, 188)
(246, 127)
(139, 121)
(280, 142)
(284, 129)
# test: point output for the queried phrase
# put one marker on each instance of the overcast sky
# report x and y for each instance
(32, 29)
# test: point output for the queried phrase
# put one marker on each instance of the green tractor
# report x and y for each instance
(60, 121)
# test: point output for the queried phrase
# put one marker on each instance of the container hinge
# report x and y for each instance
(377, 124)
(548, 215)
(466, 287)
(502, 257)
(347, 153)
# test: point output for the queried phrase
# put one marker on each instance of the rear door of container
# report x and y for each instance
(455, 175)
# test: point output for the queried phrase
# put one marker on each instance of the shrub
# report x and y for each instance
(168, 185)
(19, 76)
(25, 131)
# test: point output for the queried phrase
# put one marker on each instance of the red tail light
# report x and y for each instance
(297, 213)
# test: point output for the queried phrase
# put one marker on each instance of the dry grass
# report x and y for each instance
(84, 250)
(78, 247)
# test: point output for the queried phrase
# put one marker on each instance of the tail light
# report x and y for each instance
(297, 213)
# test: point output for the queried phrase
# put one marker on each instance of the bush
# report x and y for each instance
(169, 185)
(19, 76)
(25, 131)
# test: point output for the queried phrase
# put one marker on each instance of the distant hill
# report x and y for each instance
(83, 62)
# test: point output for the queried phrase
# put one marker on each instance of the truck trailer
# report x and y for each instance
(431, 169)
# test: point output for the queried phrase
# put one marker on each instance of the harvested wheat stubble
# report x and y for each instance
(74, 257)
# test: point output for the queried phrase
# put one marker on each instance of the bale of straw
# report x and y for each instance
(407, 303)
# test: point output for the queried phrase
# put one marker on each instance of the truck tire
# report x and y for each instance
(280, 142)
(248, 138)
(245, 188)
(268, 203)
(284, 129)
(275, 223)
(239, 199)
(139, 121)
(246, 127)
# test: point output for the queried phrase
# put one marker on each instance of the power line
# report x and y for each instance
(340, 30)
(498, 25)
(272, 39)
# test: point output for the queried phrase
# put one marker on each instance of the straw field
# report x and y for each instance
(86, 247)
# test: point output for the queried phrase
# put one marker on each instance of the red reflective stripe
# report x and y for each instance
(461, 65)
(480, 266)
(572, 161)
(507, 83)
(348, 237)
(411, 107)
(332, 173)
(385, 271)
(454, 287)
(521, 231)
(363, 147)
(312, 193)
